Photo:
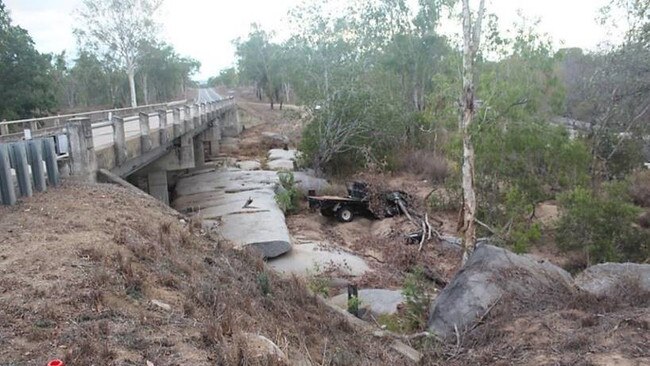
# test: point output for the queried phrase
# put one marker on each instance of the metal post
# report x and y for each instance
(22, 169)
(7, 192)
(36, 161)
(4, 130)
(119, 140)
(145, 137)
(49, 153)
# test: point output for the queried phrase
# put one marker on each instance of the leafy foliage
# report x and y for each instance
(601, 227)
(25, 74)
(287, 196)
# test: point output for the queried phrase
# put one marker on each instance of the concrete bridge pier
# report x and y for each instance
(230, 124)
(158, 185)
(212, 136)
(199, 151)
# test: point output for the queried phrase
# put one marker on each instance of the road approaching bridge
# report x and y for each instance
(206, 95)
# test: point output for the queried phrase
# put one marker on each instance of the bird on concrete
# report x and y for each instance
(248, 203)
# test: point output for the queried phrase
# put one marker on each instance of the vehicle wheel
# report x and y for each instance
(344, 214)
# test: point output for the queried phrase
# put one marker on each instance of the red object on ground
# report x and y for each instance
(55, 363)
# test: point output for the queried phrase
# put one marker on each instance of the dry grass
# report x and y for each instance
(84, 294)
(560, 328)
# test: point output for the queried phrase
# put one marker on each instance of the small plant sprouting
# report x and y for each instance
(264, 283)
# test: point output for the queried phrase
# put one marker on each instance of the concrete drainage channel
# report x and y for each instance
(239, 203)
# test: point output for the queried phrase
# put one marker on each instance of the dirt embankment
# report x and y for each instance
(98, 275)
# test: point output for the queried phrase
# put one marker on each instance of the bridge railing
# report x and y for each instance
(114, 138)
(16, 130)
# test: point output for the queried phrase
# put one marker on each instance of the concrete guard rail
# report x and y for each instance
(121, 141)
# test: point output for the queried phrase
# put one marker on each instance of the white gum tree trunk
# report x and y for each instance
(471, 37)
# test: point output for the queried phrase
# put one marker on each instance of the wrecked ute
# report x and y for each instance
(360, 201)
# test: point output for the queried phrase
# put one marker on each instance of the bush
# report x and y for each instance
(601, 227)
(417, 300)
(640, 188)
(287, 194)
(413, 317)
(425, 164)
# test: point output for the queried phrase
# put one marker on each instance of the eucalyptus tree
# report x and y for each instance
(25, 74)
(118, 29)
(472, 24)
(164, 74)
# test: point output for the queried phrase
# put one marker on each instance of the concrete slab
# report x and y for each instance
(304, 258)
(282, 164)
(377, 301)
(281, 154)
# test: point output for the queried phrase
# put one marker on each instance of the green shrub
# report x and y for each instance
(417, 300)
(601, 227)
(317, 281)
(264, 283)
(287, 196)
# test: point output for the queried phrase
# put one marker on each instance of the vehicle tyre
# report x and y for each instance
(345, 214)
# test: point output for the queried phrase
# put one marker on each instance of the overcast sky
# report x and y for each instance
(204, 29)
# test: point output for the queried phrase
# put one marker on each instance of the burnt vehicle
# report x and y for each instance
(360, 201)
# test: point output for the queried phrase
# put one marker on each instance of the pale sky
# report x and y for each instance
(204, 29)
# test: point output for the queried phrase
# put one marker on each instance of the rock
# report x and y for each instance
(281, 154)
(249, 165)
(306, 182)
(407, 351)
(377, 301)
(162, 305)
(304, 258)
(274, 140)
(489, 275)
(258, 347)
(604, 279)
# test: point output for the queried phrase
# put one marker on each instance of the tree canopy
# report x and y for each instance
(27, 86)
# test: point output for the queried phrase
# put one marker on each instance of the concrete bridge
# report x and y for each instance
(147, 145)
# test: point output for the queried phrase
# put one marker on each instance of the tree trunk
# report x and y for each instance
(134, 99)
(471, 36)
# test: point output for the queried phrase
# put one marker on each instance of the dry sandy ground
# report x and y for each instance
(81, 269)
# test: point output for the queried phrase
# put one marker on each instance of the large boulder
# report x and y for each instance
(492, 274)
(606, 279)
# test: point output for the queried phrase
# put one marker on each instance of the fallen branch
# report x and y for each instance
(487, 312)
(424, 236)
(491, 230)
